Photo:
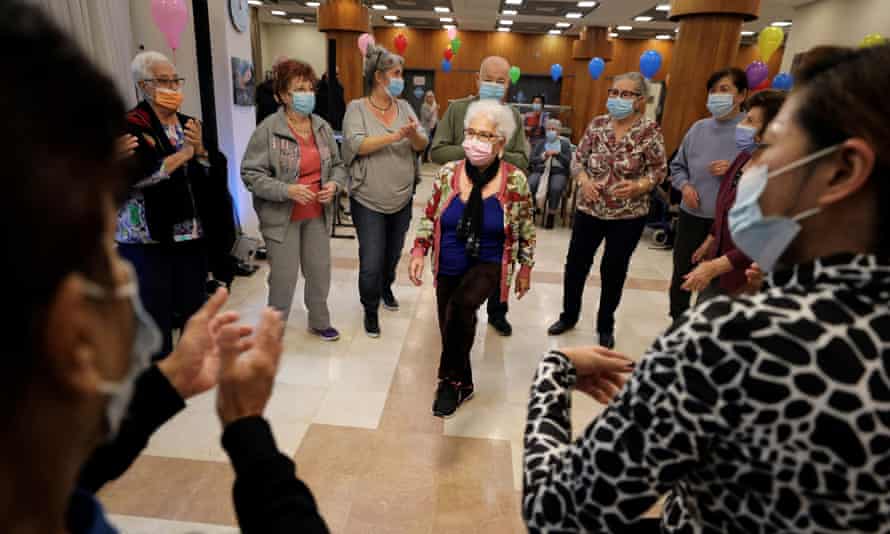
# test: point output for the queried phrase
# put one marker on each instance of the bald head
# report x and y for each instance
(494, 69)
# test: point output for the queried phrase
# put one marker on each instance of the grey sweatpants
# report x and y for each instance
(306, 245)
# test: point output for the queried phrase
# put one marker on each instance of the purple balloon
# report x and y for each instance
(757, 72)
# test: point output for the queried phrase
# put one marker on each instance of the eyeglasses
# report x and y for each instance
(624, 94)
(169, 83)
(490, 138)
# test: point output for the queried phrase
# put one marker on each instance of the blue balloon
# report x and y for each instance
(596, 67)
(446, 65)
(556, 72)
(650, 63)
(783, 81)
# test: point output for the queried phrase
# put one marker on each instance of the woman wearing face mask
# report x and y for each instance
(763, 414)
(429, 119)
(619, 161)
(697, 171)
(553, 156)
(727, 265)
(479, 224)
(178, 213)
(382, 141)
(536, 121)
(292, 166)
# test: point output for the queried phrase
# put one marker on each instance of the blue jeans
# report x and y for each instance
(381, 238)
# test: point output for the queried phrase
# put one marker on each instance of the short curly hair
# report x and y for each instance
(288, 70)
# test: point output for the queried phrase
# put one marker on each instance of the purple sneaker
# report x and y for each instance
(326, 334)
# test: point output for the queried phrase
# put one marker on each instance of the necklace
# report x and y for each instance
(304, 129)
(387, 108)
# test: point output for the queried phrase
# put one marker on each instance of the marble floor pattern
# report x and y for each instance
(356, 414)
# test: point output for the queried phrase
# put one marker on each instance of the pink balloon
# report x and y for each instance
(452, 33)
(171, 16)
(364, 40)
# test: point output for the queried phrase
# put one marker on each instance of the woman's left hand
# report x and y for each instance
(523, 284)
(627, 189)
(601, 372)
(327, 193)
(125, 146)
(700, 277)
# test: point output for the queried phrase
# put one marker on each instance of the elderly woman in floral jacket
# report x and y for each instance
(479, 224)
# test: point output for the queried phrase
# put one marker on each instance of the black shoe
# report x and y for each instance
(372, 325)
(389, 301)
(501, 325)
(559, 328)
(607, 341)
(548, 225)
(449, 397)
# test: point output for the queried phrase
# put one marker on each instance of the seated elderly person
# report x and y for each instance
(551, 159)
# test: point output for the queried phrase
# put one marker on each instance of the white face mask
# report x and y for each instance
(147, 341)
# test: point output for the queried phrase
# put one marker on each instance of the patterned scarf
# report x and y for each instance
(469, 228)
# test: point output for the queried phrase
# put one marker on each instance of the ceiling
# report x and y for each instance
(532, 16)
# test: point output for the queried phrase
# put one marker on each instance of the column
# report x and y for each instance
(709, 38)
(344, 21)
(588, 93)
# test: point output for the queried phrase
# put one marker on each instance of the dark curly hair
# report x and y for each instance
(288, 70)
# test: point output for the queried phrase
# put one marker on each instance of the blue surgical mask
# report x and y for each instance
(744, 138)
(303, 103)
(396, 86)
(493, 90)
(765, 239)
(619, 108)
(720, 104)
(537, 107)
(551, 136)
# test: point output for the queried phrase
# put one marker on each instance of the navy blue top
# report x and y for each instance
(86, 516)
(453, 259)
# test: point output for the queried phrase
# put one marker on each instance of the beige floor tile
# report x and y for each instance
(346, 407)
(144, 525)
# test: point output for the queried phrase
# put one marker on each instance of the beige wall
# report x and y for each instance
(297, 41)
(835, 22)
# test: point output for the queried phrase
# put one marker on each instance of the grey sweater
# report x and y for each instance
(708, 140)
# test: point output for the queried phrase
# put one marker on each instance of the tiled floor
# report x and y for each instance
(355, 414)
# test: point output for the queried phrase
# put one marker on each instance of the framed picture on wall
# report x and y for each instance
(243, 84)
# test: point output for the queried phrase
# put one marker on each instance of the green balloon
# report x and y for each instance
(455, 45)
(515, 73)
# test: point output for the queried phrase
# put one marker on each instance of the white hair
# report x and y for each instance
(637, 78)
(142, 65)
(553, 123)
(498, 113)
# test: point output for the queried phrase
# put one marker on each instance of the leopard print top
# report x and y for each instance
(757, 415)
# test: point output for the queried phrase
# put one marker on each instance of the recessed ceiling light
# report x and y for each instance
(254, 2)
(676, 30)
(297, 21)
(574, 15)
(513, 2)
(781, 24)
(624, 28)
(643, 18)
(554, 32)
(313, 4)
(563, 24)
(748, 33)
(446, 19)
(663, 7)
(441, 9)
(503, 22)
(509, 12)
(379, 7)
(504, 29)
(390, 17)
(279, 13)
(663, 37)
(398, 24)
(587, 3)
(613, 34)
(449, 26)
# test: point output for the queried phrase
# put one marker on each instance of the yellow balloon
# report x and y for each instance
(872, 39)
(769, 41)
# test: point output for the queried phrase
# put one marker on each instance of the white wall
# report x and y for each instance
(296, 41)
(835, 22)
(146, 33)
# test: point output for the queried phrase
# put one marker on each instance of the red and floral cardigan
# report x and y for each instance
(519, 227)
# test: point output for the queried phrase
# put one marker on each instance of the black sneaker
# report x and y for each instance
(372, 325)
(548, 223)
(389, 301)
(607, 341)
(501, 325)
(559, 328)
(449, 397)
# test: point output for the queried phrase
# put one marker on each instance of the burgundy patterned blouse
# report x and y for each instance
(638, 155)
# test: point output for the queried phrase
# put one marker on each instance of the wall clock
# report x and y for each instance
(239, 12)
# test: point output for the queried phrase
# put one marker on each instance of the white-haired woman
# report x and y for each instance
(619, 161)
(177, 221)
(479, 224)
(553, 156)
(382, 140)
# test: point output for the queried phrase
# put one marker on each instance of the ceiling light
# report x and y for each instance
(624, 28)
(643, 18)
(313, 4)
(554, 32)
(297, 21)
(587, 3)
(613, 34)
(390, 17)
(441, 9)
(449, 26)
(663, 7)
(504, 29)
(398, 24)
(663, 37)
(513, 2)
(676, 30)
(509, 12)
(748, 33)
(379, 7)
(503, 22)
(446, 19)
(781, 24)
(279, 13)
(574, 15)
(254, 2)
(563, 24)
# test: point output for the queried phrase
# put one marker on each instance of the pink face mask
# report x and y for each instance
(480, 153)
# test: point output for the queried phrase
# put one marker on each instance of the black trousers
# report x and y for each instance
(172, 283)
(458, 298)
(381, 238)
(691, 233)
(588, 232)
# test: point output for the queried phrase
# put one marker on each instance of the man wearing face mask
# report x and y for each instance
(178, 212)
(697, 171)
(493, 81)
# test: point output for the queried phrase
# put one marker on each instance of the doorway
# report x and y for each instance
(417, 83)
